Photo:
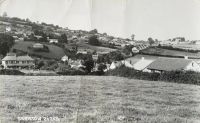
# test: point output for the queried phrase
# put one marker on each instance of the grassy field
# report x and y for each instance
(91, 99)
(164, 52)
(55, 52)
(87, 47)
(189, 46)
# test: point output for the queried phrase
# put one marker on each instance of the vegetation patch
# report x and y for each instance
(10, 72)
(173, 76)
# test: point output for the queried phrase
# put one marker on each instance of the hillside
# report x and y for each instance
(166, 52)
(79, 99)
(55, 52)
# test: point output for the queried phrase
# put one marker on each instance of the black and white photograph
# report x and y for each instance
(99, 61)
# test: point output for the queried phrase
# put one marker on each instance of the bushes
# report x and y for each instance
(173, 76)
(72, 72)
(10, 72)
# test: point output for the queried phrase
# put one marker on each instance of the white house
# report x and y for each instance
(135, 50)
(53, 41)
(38, 46)
(116, 64)
(65, 58)
(14, 61)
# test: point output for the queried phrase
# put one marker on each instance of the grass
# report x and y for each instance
(166, 52)
(90, 99)
(88, 47)
(55, 52)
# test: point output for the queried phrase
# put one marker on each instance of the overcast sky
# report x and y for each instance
(161, 19)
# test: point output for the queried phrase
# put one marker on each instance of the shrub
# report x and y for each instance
(72, 72)
(172, 76)
(10, 72)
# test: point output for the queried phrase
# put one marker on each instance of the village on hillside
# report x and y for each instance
(33, 47)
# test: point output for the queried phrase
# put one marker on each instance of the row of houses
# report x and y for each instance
(161, 64)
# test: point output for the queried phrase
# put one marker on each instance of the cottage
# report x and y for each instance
(53, 41)
(116, 64)
(65, 58)
(14, 61)
(38, 46)
(173, 64)
(135, 50)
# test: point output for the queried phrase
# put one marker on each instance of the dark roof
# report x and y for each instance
(169, 64)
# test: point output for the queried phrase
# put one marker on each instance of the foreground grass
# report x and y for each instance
(90, 99)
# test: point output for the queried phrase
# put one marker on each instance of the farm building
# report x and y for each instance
(173, 64)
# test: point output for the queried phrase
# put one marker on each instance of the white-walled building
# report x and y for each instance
(14, 61)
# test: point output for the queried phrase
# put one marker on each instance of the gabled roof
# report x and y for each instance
(9, 58)
(24, 58)
(142, 64)
(169, 64)
(17, 58)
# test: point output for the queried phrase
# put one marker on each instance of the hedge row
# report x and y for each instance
(10, 72)
(173, 76)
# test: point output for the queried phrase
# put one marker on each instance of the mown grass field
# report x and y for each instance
(97, 99)
(55, 52)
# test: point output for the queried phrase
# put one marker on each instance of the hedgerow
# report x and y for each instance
(172, 76)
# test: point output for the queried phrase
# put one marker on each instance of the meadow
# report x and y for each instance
(55, 52)
(92, 99)
(170, 53)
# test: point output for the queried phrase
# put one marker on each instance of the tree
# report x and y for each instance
(5, 14)
(6, 42)
(151, 41)
(94, 41)
(89, 65)
(116, 56)
(102, 67)
(63, 39)
(133, 37)
(94, 31)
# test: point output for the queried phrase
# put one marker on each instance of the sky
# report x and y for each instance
(159, 19)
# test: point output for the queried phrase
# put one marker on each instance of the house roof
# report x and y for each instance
(9, 58)
(142, 64)
(17, 58)
(24, 58)
(169, 64)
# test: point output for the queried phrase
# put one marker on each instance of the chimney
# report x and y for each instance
(185, 57)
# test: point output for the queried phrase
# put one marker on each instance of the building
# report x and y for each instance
(173, 64)
(138, 64)
(135, 50)
(38, 46)
(14, 61)
(53, 41)
(116, 64)
(65, 58)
